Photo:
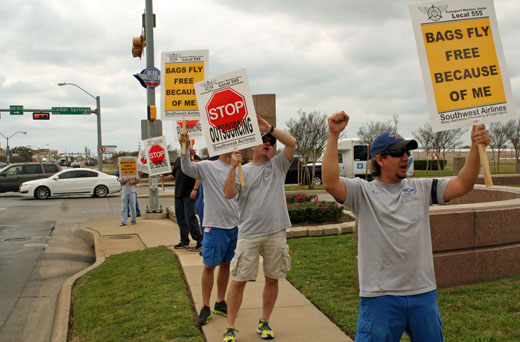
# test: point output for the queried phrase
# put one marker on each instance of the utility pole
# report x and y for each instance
(149, 24)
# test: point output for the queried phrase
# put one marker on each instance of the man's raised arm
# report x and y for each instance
(465, 180)
(330, 167)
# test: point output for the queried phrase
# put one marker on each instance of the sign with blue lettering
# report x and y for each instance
(149, 77)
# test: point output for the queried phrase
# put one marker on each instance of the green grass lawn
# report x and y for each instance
(137, 296)
(142, 296)
(505, 167)
(483, 312)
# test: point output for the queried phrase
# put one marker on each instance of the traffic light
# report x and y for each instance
(152, 112)
(41, 116)
(138, 45)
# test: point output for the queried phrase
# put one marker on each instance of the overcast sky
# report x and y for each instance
(354, 55)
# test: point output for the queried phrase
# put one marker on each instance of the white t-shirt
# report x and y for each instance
(219, 212)
(394, 242)
(262, 202)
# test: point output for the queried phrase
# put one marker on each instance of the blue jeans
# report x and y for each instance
(138, 212)
(186, 219)
(128, 202)
(385, 318)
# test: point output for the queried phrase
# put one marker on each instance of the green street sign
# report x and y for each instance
(16, 110)
(71, 110)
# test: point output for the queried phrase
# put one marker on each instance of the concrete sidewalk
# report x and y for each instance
(294, 318)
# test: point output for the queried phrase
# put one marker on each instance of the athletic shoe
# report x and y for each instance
(197, 248)
(229, 336)
(181, 245)
(204, 316)
(122, 224)
(264, 330)
(220, 308)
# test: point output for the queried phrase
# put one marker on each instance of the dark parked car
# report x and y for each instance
(292, 174)
(12, 176)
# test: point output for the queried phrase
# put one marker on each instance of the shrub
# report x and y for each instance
(300, 198)
(315, 212)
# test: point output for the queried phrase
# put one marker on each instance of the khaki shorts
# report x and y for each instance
(275, 252)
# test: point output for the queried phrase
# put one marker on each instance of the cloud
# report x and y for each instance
(357, 56)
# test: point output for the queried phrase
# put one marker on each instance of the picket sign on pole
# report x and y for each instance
(228, 115)
(463, 66)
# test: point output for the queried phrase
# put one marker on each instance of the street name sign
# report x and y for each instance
(16, 110)
(71, 110)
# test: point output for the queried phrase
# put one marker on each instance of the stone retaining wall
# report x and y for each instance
(475, 241)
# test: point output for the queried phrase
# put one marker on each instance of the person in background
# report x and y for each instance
(137, 210)
(395, 260)
(186, 192)
(128, 198)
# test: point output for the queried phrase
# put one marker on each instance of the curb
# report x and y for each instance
(60, 325)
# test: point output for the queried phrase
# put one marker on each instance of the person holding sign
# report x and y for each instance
(262, 225)
(186, 192)
(220, 228)
(395, 259)
(128, 198)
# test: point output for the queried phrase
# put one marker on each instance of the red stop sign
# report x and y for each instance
(156, 154)
(225, 107)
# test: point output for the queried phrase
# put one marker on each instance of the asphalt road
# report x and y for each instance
(39, 250)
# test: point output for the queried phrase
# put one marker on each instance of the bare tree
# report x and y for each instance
(512, 130)
(310, 132)
(439, 142)
(444, 141)
(424, 137)
(498, 141)
(370, 130)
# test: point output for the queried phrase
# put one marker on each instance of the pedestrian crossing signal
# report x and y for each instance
(152, 112)
(41, 116)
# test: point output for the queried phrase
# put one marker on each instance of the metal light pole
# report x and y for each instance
(8, 151)
(39, 147)
(98, 113)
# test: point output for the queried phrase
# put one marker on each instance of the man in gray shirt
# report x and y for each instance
(219, 225)
(395, 259)
(263, 221)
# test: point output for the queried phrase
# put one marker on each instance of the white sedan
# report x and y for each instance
(71, 182)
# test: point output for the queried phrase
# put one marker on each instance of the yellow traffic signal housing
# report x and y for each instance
(152, 112)
(41, 116)
(138, 45)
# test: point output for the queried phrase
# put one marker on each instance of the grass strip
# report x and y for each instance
(324, 270)
(136, 296)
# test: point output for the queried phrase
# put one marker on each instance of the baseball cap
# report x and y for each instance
(269, 137)
(390, 141)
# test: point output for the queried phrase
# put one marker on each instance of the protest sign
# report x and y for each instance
(228, 114)
(127, 166)
(193, 128)
(180, 71)
(462, 62)
(157, 156)
(142, 162)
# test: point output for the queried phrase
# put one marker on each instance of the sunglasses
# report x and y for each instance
(264, 140)
(396, 153)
